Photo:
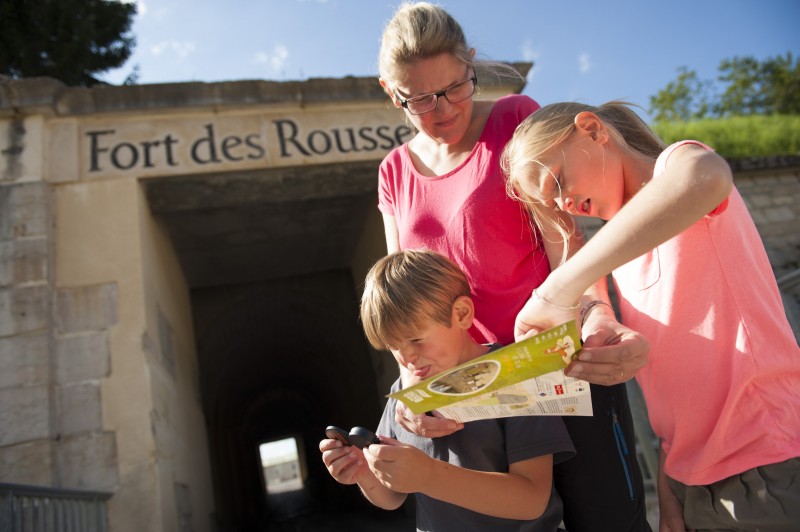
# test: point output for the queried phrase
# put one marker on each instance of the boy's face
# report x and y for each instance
(433, 349)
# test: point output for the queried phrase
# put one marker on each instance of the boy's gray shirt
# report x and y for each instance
(486, 445)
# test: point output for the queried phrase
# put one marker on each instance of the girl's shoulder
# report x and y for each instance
(661, 162)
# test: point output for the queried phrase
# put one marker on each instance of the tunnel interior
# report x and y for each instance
(268, 257)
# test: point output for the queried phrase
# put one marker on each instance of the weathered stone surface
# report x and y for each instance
(23, 261)
(24, 414)
(82, 357)
(23, 309)
(89, 461)
(27, 463)
(80, 409)
(24, 361)
(86, 308)
(24, 210)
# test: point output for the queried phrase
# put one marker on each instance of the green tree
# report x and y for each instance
(70, 40)
(686, 98)
(749, 87)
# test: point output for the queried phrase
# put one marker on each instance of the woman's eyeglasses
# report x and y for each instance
(426, 103)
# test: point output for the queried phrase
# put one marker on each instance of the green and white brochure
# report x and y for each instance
(521, 379)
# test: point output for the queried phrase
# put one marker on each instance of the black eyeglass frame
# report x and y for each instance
(440, 94)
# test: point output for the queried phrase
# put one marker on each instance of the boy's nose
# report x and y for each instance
(565, 203)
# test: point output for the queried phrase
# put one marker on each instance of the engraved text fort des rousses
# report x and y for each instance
(110, 151)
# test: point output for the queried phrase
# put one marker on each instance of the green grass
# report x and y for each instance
(740, 136)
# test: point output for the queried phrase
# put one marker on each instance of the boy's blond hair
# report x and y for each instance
(405, 290)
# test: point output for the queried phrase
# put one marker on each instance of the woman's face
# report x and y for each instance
(448, 122)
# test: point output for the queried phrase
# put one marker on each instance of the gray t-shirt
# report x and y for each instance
(486, 445)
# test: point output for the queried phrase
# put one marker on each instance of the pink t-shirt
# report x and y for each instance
(722, 384)
(467, 216)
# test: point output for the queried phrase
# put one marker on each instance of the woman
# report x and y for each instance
(444, 190)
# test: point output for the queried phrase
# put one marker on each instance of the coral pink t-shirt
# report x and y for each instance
(722, 384)
(467, 216)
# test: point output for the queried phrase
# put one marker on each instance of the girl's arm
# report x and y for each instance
(612, 353)
(522, 493)
(694, 183)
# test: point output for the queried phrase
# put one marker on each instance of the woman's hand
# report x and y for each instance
(611, 354)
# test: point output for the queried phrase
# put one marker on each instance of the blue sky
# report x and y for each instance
(585, 50)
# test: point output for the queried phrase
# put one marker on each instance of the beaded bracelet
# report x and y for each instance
(589, 306)
(538, 296)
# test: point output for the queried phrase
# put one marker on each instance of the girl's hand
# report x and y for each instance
(345, 463)
(537, 315)
(401, 468)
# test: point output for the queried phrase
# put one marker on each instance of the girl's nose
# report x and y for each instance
(565, 203)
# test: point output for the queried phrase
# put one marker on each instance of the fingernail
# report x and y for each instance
(577, 368)
(586, 357)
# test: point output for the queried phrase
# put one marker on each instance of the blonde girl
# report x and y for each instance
(722, 384)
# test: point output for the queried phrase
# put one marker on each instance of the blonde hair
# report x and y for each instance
(550, 126)
(421, 30)
(405, 290)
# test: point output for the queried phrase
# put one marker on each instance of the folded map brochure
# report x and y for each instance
(521, 379)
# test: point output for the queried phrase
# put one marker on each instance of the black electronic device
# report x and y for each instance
(358, 436)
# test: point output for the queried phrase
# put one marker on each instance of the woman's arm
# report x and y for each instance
(522, 493)
(392, 234)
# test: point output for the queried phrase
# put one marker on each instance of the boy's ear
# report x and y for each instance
(389, 92)
(590, 124)
(463, 312)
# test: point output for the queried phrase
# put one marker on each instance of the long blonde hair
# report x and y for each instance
(407, 289)
(546, 129)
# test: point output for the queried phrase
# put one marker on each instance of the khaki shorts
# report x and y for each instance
(765, 498)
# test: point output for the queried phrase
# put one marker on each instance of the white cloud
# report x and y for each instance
(141, 7)
(276, 59)
(584, 63)
(181, 49)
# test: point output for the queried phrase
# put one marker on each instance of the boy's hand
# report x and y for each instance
(423, 425)
(345, 463)
(401, 468)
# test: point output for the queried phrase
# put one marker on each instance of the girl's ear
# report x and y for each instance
(389, 92)
(463, 312)
(590, 124)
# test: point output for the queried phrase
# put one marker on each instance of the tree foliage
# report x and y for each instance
(750, 87)
(70, 40)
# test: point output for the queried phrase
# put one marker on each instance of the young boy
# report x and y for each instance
(494, 474)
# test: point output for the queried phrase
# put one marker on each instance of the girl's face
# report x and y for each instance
(583, 176)
(434, 348)
(448, 123)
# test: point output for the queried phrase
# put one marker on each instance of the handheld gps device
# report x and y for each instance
(358, 436)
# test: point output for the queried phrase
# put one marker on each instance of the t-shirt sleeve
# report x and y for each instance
(387, 182)
(386, 424)
(661, 166)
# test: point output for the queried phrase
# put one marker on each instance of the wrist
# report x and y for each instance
(591, 308)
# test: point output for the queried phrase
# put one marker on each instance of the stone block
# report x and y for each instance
(24, 361)
(24, 210)
(82, 357)
(86, 308)
(89, 461)
(80, 410)
(23, 309)
(27, 463)
(23, 261)
(24, 414)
